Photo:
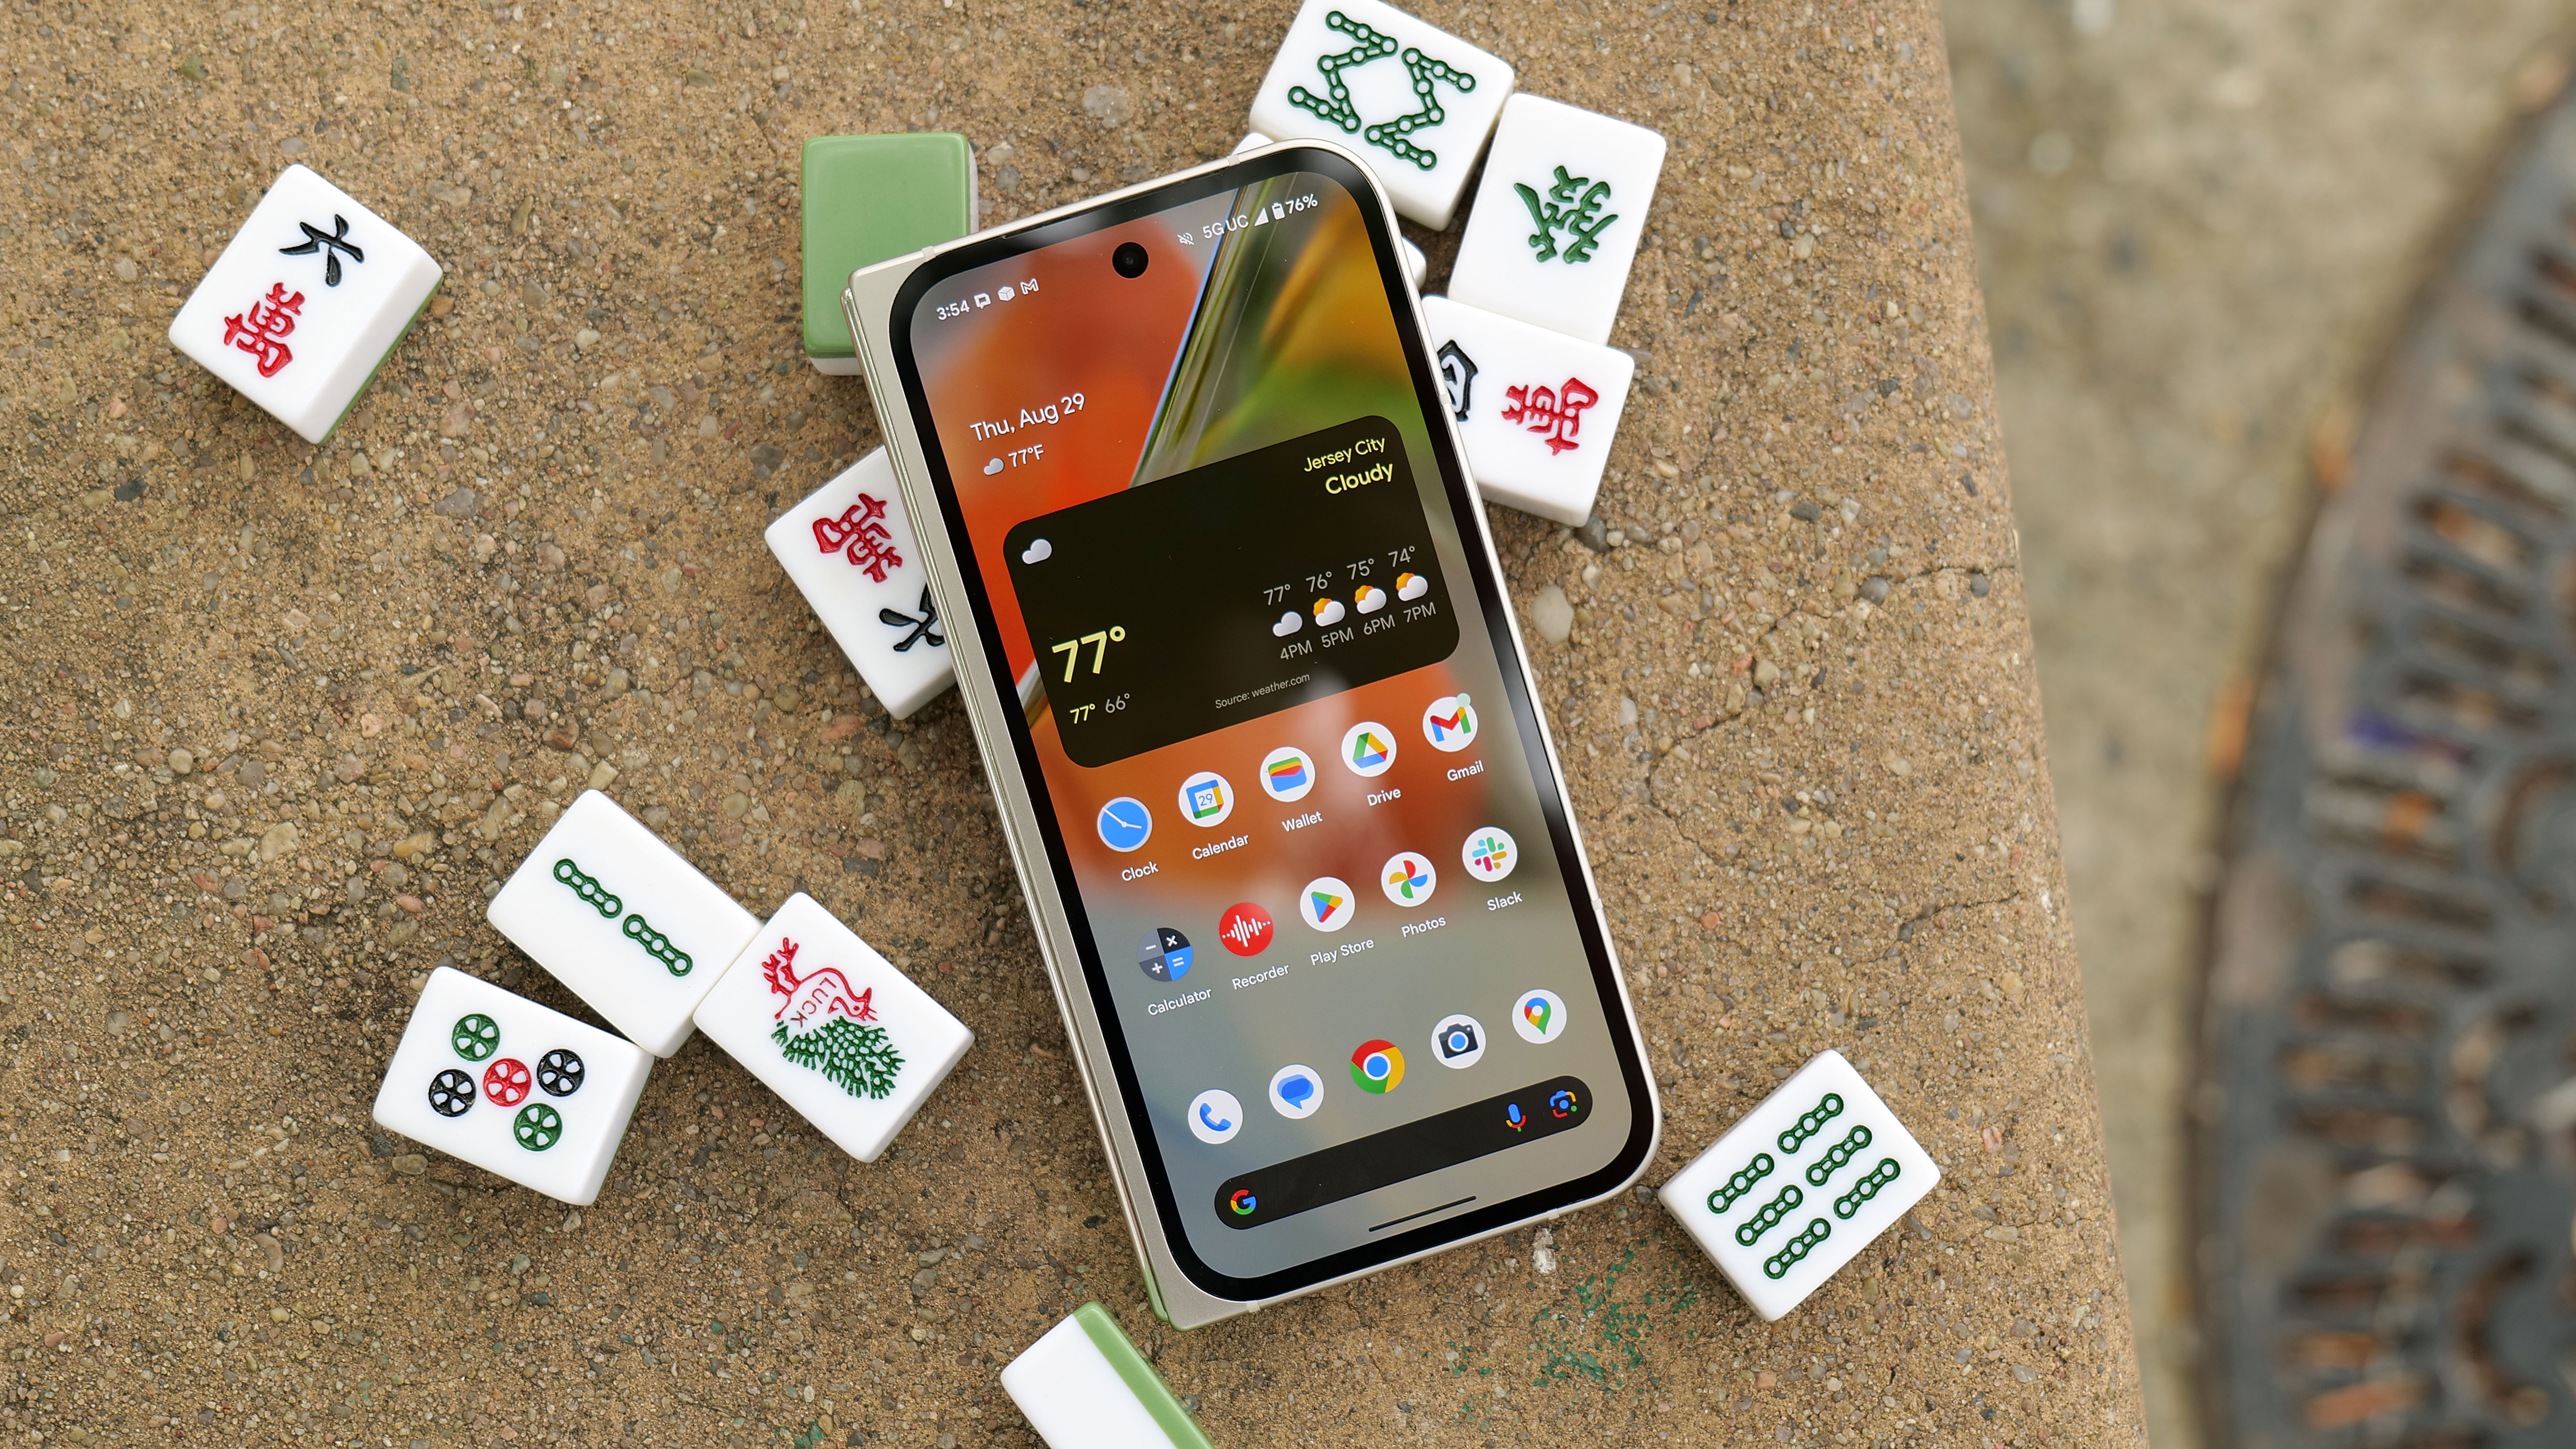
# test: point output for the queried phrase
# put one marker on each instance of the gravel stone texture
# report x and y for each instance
(281, 717)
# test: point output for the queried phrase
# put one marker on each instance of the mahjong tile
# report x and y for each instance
(868, 199)
(1536, 409)
(832, 1027)
(1412, 100)
(1083, 1385)
(515, 1088)
(306, 302)
(850, 549)
(1798, 1187)
(620, 918)
(1558, 217)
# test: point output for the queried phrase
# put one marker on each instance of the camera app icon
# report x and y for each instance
(1458, 1041)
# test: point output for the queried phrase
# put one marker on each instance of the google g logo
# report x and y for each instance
(1377, 1067)
(1243, 1202)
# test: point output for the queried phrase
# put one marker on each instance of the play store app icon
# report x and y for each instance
(1368, 748)
(1327, 903)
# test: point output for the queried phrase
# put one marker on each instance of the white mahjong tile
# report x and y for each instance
(1536, 409)
(623, 920)
(515, 1088)
(305, 302)
(832, 1027)
(1801, 1185)
(1558, 217)
(1412, 100)
(850, 548)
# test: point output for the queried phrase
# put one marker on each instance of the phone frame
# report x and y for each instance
(878, 301)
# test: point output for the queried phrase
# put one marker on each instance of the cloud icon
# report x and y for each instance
(1410, 587)
(1328, 612)
(992, 467)
(1038, 551)
(1370, 598)
(1289, 623)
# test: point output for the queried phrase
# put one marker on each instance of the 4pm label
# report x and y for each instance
(1231, 591)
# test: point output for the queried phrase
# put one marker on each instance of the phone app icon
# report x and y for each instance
(1377, 1067)
(1449, 723)
(1287, 773)
(1215, 1117)
(1539, 1016)
(1206, 799)
(1125, 824)
(1165, 955)
(1327, 903)
(1245, 928)
(1490, 853)
(1408, 878)
(1368, 748)
(1458, 1041)
(1296, 1091)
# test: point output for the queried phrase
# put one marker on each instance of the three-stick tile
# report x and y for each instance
(849, 547)
(1558, 217)
(1536, 409)
(305, 302)
(1802, 1184)
(620, 918)
(832, 1027)
(1413, 100)
(513, 1087)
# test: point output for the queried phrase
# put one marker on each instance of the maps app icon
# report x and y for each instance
(1165, 954)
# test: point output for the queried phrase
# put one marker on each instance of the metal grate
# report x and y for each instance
(2387, 1148)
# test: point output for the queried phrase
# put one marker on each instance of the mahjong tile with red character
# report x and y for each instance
(833, 1028)
(515, 1088)
(1536, 409)
(306, 302)
(849, 547)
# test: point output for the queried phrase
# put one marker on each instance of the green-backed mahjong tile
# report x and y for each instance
(868, 198)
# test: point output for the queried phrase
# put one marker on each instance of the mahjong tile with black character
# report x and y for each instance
(1536, 409)
(1558, 217)
(1798, 1187)
(849, 548)
(617, 915)
(1412, 100)
(832, 1027)
(515, 1088)
(305, 302)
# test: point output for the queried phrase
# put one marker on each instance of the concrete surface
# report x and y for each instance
(2198, 224)
(279, 718)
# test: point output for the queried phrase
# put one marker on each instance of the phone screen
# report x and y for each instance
(1333, 920)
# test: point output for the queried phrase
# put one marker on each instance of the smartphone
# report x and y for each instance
(1235, 646)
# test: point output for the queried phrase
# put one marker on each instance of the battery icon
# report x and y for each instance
(1278, 211)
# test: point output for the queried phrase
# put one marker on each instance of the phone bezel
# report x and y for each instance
(1062, 890)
